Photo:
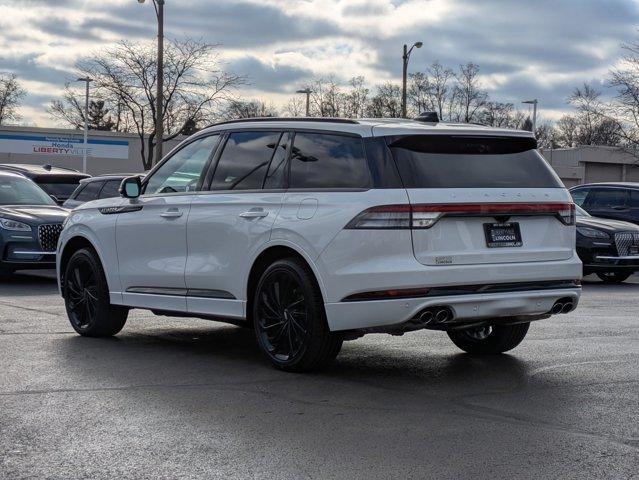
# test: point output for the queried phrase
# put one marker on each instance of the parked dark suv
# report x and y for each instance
(30, 224)
(101, 186)
(617, 201)
(58, 182)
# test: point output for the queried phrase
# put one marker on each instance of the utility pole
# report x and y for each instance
(87, 80)
(405, 58)
(159, 97)
(308, 92)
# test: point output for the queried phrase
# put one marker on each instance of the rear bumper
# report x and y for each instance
(467, 309)
(609, 263)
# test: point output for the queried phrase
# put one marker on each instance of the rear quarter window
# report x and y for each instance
(320, 160)
(442, 161)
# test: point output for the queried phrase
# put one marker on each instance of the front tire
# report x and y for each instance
(489, 340)
(290, 321)
(614, 277)
(86, 297)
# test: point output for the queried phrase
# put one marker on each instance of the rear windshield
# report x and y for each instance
(60, 190)
(443, 161)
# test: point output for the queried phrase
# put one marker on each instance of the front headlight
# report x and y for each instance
(592, 233)
(14, 225)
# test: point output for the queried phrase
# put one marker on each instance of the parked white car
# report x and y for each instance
(316, 231)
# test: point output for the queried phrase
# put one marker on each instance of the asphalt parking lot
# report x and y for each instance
(178, 398)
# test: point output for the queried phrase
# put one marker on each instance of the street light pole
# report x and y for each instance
(534, 103)
(87, 80)
(405, 58)
(159, 97)
(308, 92)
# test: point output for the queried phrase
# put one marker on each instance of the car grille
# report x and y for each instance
(624, 241)
(48, 236)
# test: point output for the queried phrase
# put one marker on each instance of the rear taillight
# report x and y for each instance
(427, 215)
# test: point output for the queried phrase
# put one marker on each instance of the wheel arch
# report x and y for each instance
(72, 245)
(266, 257)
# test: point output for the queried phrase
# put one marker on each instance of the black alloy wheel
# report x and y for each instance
(82, 293)
(289, 318)
(86, 296)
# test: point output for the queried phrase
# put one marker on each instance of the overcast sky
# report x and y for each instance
(525, 48)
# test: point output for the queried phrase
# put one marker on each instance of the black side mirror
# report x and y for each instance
(131, 187)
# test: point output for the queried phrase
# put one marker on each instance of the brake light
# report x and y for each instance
(427, 215)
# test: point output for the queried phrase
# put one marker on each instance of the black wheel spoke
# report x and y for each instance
(282, 315)
(82, 294)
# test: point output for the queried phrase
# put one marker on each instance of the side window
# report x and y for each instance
(634, 198)
(182, 172)
(90, 192)
(245, 160)
(579, 196)
(77, 191)
(110, 189)
(607, 198)
(328, 161)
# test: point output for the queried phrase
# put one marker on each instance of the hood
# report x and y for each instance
(34, 213)
(607, 225)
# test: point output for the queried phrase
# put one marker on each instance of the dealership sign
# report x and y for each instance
(67, 146)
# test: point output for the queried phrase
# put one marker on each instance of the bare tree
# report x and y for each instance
(194, 85)
(296, 107)
(248, 109)
(469, 97)
(11, 94)
(327, 98)
(387, 102)
(356, 99)
(70, 110)
(594, 122)
(501, 115)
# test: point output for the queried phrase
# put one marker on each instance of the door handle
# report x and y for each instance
(171, 213)
(254, 214)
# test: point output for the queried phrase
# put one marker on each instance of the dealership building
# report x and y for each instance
(111, 152)
(107, 152)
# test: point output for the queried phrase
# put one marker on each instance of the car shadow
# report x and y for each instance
(28, 283)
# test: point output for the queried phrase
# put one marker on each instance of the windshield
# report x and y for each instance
(446, 161)
(581, 212)
(21, 191)
(60, 190)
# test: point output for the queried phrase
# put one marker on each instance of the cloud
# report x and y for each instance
(525, 49)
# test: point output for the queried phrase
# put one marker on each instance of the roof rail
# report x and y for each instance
(286, 119)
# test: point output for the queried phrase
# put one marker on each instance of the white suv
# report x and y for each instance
(316, 231)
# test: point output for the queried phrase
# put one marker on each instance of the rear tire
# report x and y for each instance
(86, 297)
(614, 277)
(489, 340)
(290, 321)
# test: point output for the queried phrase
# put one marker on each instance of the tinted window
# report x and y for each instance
(471, 162)
(182, 172)
(634, 198)
(89, 192)
(607, 198)
(245, 160)
(60, 190)
(328, 161)
(111, 189)
(277, 169)
(579, 196)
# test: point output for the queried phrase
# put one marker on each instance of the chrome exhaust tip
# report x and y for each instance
(568, 307)
(442, 315)
(426, 317)
(557, 308)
